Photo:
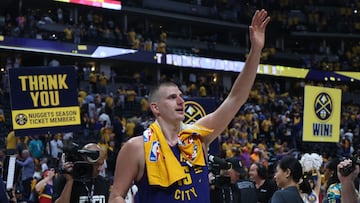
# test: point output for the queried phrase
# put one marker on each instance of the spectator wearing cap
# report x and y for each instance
(237, 170)
(241, 189)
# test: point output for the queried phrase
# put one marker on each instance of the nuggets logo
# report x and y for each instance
(323, 106)
(155, 151)
(21, 119)
(193, 112)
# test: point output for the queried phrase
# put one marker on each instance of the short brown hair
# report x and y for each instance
(153, 95)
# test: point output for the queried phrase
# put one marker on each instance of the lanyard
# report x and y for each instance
(90, 192)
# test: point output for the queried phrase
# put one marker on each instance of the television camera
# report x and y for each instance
(82, 159)
(217, 164)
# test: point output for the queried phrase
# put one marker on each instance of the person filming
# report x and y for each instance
(79, 180)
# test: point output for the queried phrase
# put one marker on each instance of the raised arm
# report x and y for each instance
(41, 184)
(63, 195)
(24, 163)
(318, 182)
(348, 190)
(239, 93)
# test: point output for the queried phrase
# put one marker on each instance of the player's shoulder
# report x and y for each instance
(136, 141)
(134, 145)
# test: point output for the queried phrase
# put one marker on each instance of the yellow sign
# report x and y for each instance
(46, 117)
(322, 109)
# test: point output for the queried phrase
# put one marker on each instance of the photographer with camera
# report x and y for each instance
(244, 190)
(218, 179)
(79, 180)
(230, 184)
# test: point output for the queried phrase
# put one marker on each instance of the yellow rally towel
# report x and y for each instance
(163, 168)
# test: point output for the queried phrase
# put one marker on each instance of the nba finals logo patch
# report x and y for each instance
(322, 108)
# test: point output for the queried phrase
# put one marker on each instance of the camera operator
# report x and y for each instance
(69, 188)
(219, 181)
(244, 190)
(235, 189)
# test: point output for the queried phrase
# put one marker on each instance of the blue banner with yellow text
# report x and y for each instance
(322, 109)
(44, 100)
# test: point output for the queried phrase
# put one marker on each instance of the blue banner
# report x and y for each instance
(44, 100)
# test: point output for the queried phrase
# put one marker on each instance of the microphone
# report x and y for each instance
(221, 163)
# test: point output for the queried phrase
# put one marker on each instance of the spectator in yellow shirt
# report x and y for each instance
(130, 127)
(266, 126)
(130, 98)
(68, 32)
(144, 103)
(202, 91)
(93, 82)
(131, 36)
(103, 82)
(10, 143)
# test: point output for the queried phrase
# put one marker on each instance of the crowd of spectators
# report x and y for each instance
(110, 28)
(267, 128)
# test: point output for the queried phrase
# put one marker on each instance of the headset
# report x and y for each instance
(261, 170)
